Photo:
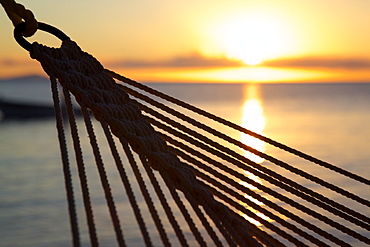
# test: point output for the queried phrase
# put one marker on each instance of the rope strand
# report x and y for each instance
(66, 165)
(81, 169)
(16, 12)
(236, 127)
(210, 179)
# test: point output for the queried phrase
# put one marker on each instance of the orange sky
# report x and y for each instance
(207, 41)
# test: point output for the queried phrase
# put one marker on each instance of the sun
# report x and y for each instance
(252, 37)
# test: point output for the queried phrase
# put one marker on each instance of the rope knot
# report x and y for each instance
(17, 13)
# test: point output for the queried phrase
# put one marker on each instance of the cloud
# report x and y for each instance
(321, 62)
(9, 62)
(197, 60)
(193, 60)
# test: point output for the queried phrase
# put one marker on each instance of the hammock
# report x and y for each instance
(189, 184)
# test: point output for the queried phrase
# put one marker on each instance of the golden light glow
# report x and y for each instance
(242, 74)
(254, 120)
(252, 31)
(252, 177)
(253, 37)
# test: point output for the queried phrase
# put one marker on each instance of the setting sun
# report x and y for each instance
(253, 37)
(285, 41)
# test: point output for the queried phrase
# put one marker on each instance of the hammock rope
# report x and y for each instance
(247, 148)
(236, 127)
(268, 190)
(242, 158)
(65, 162)
(104, 109)
(103, 97)
(311, 199)
(16, 13)
(190, 185)
(80, 165)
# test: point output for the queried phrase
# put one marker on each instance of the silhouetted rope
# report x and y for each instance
(65, 161)
(125, 180)
(250, 149)
(213, 204)
(81, 168)
(331, 208)
(271, 180)
(164, 202)
(103, 176)
(253, 195)
(236, 127)
(267, 171)
(125, 121)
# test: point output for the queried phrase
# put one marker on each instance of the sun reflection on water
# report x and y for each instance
(253, 119)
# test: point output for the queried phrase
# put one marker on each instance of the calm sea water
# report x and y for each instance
(328, 121)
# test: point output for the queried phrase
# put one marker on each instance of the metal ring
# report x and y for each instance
(42, 26)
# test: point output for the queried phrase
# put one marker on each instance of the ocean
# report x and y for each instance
(327, 121)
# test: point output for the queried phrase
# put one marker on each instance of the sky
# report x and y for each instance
(206, 40)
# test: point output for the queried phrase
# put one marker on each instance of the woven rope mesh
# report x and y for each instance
(151, 170)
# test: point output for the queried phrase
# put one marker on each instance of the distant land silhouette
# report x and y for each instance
(29, 78)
